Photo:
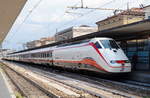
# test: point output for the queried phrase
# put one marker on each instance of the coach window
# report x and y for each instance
(47, 54)
(97, 45)
(40, 55)
(44, 55)
(37, 55)
(50, 54)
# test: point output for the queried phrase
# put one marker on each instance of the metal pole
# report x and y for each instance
(1, 51)
(81, 3)
(128, 6)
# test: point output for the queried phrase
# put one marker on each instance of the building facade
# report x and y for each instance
(47, 40)
(73, 32)
(41, 42)
(147, 12)
(4, 52)
(125, 17)
(33, 44)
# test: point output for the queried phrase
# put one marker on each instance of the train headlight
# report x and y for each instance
(113, 61)
(119, 61)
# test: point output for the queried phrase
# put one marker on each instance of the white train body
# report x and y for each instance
(97, 54)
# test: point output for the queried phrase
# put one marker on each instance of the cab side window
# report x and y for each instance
(97, 45)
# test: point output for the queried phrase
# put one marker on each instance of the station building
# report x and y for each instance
(73, 32)
(122, 18)
(40, 42)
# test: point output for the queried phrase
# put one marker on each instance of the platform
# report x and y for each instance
(5, 91)
(141, 76)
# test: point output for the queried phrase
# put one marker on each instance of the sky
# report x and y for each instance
(41, 18)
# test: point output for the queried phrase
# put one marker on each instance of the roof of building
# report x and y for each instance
(73, 27)
(64, 31)
(146, 6)
(133, 11)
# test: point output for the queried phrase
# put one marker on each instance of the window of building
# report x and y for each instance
(148, 17)
(108, 22)
(113, 21)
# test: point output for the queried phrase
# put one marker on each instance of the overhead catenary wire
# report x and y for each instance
(30, 12)
(85, 14)
(25, 19)
(62, 16)
(89, 12)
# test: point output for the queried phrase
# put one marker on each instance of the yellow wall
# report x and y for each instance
(130, 19)
(118, 21)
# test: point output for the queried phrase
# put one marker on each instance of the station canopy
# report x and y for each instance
(129, 31)
(124, 32)
(9, 10)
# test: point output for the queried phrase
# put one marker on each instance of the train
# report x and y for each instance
(99, 54)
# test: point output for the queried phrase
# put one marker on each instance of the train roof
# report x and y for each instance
(70, 41)
(102, 38)
(62, 43)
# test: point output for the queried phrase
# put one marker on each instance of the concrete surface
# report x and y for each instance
(4, 91)
(141, 76)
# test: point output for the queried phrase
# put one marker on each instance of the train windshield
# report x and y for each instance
(109, 44)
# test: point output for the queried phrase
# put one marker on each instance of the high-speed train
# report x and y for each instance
(96, 54)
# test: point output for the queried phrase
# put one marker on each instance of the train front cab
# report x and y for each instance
(115, 59)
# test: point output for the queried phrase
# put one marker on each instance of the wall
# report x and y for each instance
(110, 23)
(64, 36)
(130, 19)
(79, 31)
(118, 21)
(147, 12)
(74, 32)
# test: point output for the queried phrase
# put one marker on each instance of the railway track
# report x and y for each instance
(124, 85)
(93, 87)
(146, 85)
(116, 87)
(127, 86)
(27, 87)
(63, 91)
